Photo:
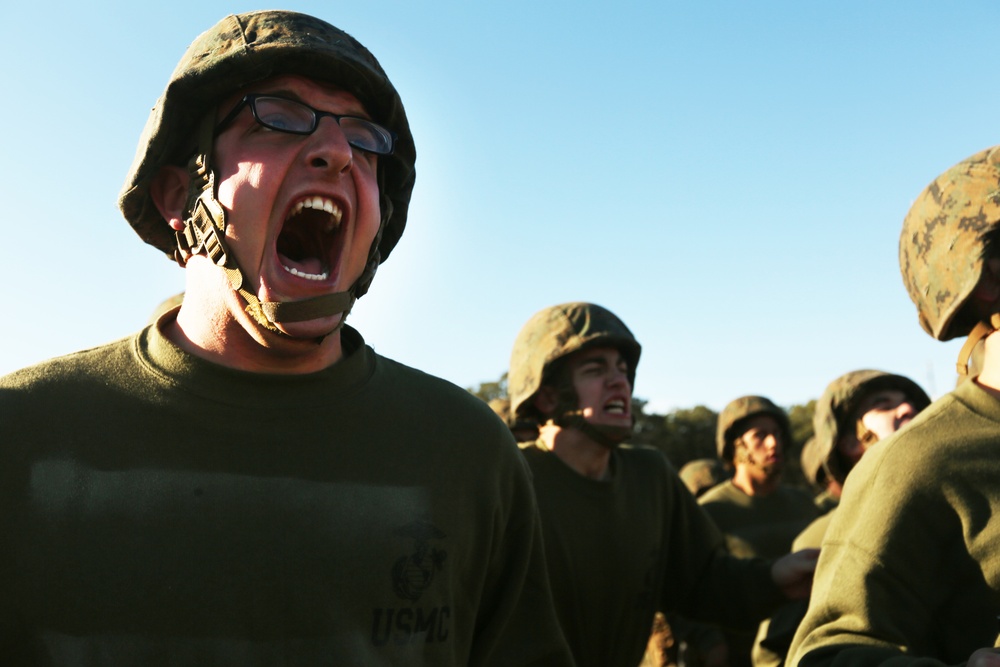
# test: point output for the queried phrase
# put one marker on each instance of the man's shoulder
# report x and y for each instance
(812, 536)
(643, 452)
(457, 412)
(646, 457)
(723, 492)
(424, 387)
(797, 495)
(86, 366)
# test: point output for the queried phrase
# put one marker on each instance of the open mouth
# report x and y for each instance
(616, 406)
(310, 237)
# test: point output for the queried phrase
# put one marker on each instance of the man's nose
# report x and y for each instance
(618, 377)
(327, 147)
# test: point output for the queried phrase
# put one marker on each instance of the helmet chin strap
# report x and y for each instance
(979, 332)
(567, 414)
(205, 233)
(607, 436)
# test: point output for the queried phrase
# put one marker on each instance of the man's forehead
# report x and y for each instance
(320, 94)
(761, 422)
(598, 353)
(879, 395)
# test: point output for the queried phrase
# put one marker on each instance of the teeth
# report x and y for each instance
(307, 276)
(321, 204)
(616, 407)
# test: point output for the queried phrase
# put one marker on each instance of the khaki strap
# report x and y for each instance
(979, 332)
(308, 309)
(606, 436)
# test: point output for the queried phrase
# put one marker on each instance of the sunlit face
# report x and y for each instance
(600, 380)
(881, 413)
(302, 210)
(760, 448)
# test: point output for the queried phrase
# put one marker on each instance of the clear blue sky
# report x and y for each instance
(729, 177)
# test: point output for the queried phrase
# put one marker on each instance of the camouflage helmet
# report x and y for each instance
(811, 460)
(554, 333)
(941, 245)
(836, 408)
(732, 416)
(700, 475)
(247, 48)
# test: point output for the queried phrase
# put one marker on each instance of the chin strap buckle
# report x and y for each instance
(206, 223)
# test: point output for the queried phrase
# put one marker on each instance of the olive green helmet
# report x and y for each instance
(700, 475)
(834, 414)
(941, 245)
(811, 460)
(239, 51)
(733, 415)
(554, 333)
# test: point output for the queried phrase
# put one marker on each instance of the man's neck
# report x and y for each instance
(233, 339)
(754, 485)
(575, 449)
(989, 376)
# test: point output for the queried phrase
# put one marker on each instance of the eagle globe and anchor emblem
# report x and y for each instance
(412, 574)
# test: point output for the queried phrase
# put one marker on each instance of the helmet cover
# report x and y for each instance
(941, 245)
(836, 408)
(247, 48)
(740, 409)
(700, 475)
(554, 333)
(812, 461)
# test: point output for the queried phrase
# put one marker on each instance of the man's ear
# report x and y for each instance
(546, 399)
(169, 190)
(740, 454)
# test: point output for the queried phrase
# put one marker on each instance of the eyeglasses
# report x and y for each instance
(284, 115)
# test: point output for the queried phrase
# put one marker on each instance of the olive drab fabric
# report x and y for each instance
(241, 50)
(941, 245)
(835, 410)
(909, 572)
(738, 410)
(555, 332)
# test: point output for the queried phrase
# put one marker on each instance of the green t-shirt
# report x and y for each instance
(620, 550)
(762, 526)
(759, 525)
(158, 509)
(910, 566)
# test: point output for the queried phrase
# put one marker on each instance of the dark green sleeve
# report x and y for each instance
(704, 582)
(909, 573)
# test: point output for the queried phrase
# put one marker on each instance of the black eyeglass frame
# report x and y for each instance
(250, 100)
